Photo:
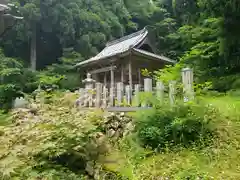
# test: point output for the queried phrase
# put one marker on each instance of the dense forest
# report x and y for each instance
(55, 34)
(53, 139)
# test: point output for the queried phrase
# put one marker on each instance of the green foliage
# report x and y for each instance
(183, 124)
(200, 34)
(11, 75)
(84, 26)
(169, 73)
(8, 92)
(227, 82)
(71, 79)
(56, 143)
(216, 160)
(46, 80)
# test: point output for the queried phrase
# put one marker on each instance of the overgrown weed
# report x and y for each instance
(217, 159)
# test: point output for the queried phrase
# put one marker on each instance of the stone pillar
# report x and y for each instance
(187, 79)
(105, 94)
(160, 91)
(136, 94)
(128, 94)
(148, 89)
(98, 95)
(172, 92)
(120, 93)
(148, 85)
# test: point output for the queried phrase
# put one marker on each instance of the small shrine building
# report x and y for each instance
(123, 59)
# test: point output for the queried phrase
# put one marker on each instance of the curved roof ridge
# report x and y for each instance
(110, 43)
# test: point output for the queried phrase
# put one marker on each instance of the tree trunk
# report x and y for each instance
(33, 56)
(1, 23)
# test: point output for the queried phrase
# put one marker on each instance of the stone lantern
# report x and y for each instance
(187, 79)
(89, 85)
(89, 82)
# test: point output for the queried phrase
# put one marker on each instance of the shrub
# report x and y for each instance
(183, 124)
(226, 83)
(55, 143)
(8, 92)
(72, 81)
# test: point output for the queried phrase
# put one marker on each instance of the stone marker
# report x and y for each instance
(20, 103)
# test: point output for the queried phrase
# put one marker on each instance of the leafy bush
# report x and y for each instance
(71, 79)
(55, 142)
(8, 92)
(227, 83)
(183, 124)
(29, 80)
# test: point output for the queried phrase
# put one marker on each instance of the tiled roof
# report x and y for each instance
(118, 46)
(5, 2)
(123, 45)
(3, 7)
(155, 56)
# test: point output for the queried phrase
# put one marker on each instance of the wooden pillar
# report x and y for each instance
(139, 76)
(105, 79)
(122, 73)
(112, 88)
(130, 73)
(95, 77)
(112, 78)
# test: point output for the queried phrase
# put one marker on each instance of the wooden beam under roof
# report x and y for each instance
(101, 70)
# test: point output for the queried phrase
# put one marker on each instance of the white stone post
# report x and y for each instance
(98, 94)
(136, 94)
(111, 97)
(120, 93)
(105, 94)
(148, 89)
(128, 94)
(160, 91)
(81, 97)
(187, 79)
(172, 92)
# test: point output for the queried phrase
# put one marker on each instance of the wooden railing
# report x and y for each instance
(97, 95)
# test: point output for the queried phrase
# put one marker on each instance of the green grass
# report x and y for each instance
(220, 160)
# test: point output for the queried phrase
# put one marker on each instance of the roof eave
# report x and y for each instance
(154, 56)
(143, 34)
(91, 62)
